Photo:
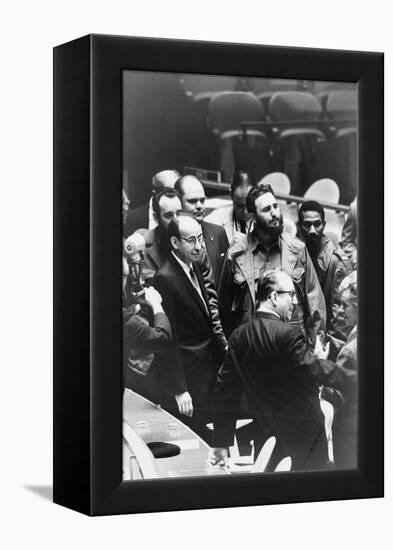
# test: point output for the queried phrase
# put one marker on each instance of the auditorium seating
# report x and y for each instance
(226, 111)
(278, 181)
(298, 115)
(325, 190)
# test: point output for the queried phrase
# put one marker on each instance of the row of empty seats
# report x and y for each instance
(294, 135)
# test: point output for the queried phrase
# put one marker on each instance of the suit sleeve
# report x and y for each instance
(172, 364)
(139, 335)
(208, 280)
(226, 292)
(334, 375)
(226, 401)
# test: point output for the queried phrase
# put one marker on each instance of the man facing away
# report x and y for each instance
(267, 247)
(193, 199)
(268, 359)
(189, 372)
(330, 262)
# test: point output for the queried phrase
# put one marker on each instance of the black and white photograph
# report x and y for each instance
(182, 366)
(239, 204)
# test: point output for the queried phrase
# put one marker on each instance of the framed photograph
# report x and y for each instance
(215, 209)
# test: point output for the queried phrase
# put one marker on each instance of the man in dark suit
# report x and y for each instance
(269, 360)
(189, 372)
(193, 200)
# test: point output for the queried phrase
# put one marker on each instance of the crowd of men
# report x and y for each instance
(233, 317)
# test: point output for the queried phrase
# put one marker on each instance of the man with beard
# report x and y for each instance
(193, 198)
(330, 262)
(267, 247)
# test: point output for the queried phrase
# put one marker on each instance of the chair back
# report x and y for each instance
(264, 455)
(284, 465)
(342, 105)
(293, 105)
(228, 109)
(325, 190)
(278, 181)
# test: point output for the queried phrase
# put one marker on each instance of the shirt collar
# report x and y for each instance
(254, 243)
(268, 312)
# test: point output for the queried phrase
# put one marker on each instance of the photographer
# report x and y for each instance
(146, 329)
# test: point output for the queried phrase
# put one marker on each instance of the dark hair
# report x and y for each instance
(174, 229)
(256, 192)
(166, 192)
(311, 206)
(241, 179)
(267, 282)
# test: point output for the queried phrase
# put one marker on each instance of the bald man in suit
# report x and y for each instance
(189, 371)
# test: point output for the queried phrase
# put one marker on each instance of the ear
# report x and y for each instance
(155, 218)
(273, 297)
(174, 243)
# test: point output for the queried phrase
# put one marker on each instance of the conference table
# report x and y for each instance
(151, 424)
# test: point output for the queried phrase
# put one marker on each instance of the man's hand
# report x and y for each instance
(218, 456)
(321, 351)
(184, 402)
(154, 298)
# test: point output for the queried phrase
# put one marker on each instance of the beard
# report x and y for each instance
(274, 231)
(313, 244)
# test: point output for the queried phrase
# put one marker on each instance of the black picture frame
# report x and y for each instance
(87, 274)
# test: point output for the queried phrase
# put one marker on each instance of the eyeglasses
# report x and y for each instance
(317, 224)
(292, 293)
(192, 241)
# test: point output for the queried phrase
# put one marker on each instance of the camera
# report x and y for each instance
(133, 253)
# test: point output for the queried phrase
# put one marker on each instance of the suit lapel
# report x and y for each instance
(209, 242)
(188, 286)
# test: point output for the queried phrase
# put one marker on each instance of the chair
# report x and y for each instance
(264, 455)
(278, 181)
(226, 111)
(284, 465)
(290, 227)
(138, 460)
(295, 108)
(325, 190)
(341, 109)
(297, 134)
